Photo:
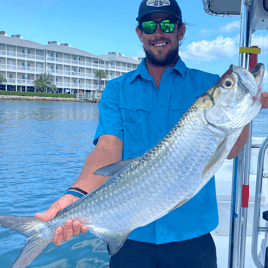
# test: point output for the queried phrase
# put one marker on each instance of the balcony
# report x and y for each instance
(21, 55)
(20, 81)
(2, 52)
(11, 53)
(26, 82)
(59, 59)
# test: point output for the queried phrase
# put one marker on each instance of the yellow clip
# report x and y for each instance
(250, 50)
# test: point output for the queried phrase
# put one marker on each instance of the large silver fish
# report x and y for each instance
(185, 160)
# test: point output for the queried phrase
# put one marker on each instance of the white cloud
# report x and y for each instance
(210, 50)
(206, 32)
(260, 41)
(225, 29)
(230, 27)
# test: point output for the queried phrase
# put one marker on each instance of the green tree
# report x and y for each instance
(100, 74)
(2, 79)
(43, 82)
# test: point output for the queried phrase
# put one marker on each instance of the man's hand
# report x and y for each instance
(264, 100)
(241, 141)
(71, 228)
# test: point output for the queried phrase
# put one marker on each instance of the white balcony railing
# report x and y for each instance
(4, 53)
(21, 55)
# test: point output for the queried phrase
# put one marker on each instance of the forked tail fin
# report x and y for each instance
(35, 242)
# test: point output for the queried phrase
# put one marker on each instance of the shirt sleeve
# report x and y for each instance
(110, 120)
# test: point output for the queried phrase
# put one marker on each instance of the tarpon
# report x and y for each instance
(144, 189)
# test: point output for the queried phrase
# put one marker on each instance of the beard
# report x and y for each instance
(171, 58)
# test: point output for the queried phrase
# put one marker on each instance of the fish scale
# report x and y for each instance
(144, 189)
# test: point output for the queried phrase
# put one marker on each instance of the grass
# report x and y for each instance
(37, 94)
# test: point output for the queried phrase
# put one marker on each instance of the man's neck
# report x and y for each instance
(157, 71)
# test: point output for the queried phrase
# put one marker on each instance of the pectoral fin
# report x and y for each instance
(114, 168)
(219, 156)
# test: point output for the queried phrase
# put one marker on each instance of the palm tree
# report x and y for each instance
(44, 81)
(2, 79)
(101, 74)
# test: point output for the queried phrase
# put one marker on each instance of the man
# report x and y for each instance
(136, 111)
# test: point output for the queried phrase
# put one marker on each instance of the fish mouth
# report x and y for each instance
(249, 80)
(246, 80)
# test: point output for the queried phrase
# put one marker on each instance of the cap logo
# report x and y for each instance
(158, 3)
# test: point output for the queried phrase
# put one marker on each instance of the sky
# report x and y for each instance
(210, 44)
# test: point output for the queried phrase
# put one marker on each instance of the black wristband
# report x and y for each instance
(78, 190)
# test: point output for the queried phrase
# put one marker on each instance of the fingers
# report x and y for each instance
(63, 202)
(264, 99)
(50, 213)
(58, 236)
(71, 228)
(84, 228)
(76, 228)
(68, 230)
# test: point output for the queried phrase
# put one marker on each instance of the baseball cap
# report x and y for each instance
(148, 7)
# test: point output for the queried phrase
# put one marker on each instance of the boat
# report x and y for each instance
(241, 237)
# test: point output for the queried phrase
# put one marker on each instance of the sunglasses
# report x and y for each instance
(167, 26)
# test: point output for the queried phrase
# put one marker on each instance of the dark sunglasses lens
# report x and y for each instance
(167, 26)
(149, 26)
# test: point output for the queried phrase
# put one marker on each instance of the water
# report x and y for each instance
(43, 146)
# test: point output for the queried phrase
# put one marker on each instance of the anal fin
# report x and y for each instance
(114, 240)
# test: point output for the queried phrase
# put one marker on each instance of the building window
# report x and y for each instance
(28, 77)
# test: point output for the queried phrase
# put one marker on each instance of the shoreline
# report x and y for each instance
(35, 98)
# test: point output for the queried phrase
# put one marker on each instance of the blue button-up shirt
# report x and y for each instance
(140, 114)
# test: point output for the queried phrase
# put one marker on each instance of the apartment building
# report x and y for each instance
(73, 70)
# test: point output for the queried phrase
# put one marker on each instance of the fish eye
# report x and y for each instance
(228, 83)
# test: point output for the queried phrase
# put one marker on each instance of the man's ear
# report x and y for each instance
(181, 32)
(139, 33)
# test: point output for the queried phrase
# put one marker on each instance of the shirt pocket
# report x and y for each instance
(136, 128)
(179, 107)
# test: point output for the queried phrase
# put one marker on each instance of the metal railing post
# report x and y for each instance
(238, 219)
(256, 219)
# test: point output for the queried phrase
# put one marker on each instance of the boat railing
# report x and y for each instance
(257, 229)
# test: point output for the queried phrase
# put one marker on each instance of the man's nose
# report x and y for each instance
(158, 28)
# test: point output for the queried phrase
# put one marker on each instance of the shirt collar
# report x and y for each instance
(143, 72)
